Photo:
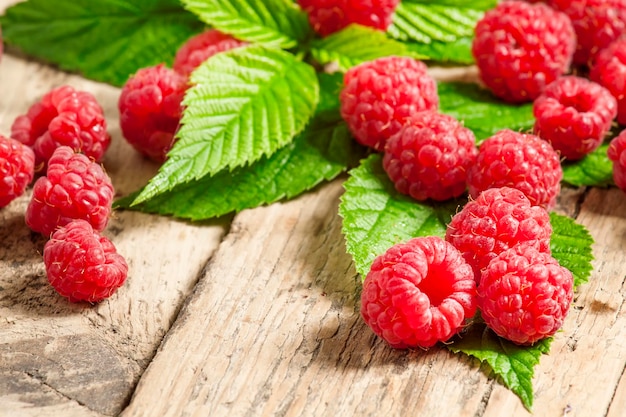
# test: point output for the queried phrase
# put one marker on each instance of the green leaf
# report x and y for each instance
(482, 112)
(105, 40)
(271, 22)
(356, 44)
(376, 216)
(245, 103)
(571, 245)
(440, 31)
(323, 151)
(513, 364)
(595, 169)
(458, 51)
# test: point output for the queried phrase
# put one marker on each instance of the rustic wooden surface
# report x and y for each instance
(257, 314)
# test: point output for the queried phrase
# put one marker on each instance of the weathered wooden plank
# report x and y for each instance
(62, 359)
(588, 357)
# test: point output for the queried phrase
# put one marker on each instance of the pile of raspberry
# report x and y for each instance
(58, 144)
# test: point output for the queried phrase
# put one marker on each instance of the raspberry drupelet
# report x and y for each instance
(418, 293)
(617, 154)
(429, 157)
(150, 107)
(574, 115)
(201, 47)
(521, 47)
(597, 23)
(609, 70)
(63, 117)
(499, 218)
(518, 160)
(74, 187)
(524, 294)
(329, 16)
(17, 169)
(82, 265)
(379, 96)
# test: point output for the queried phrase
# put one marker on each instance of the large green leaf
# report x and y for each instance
(571, 245)
(356, 44)
(323, 151)
(513, 364)
(595, 169)
(105, 40)
(376, 216)
(245, 104)
(272, 22)
(482, 112)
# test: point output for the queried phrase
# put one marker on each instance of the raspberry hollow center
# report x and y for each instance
(438, 284)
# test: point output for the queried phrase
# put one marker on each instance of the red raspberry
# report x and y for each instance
(524, 294)
(63, 117)
(609, 70)
(597, 23)
(520, 48)
(150, 107)
(201, 47)
(17, 169)
(574, 115)
(418, 293)
(617, 154)
(74, 188)
(82, 265)
(429, 157)
(498, 219)
(517, 160)
(329, 16)
(380, 95)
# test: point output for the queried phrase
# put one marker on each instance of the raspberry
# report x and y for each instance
(380, 95)
(74, 188)
(63, 117)
(574, 115)
(17, 169)
(82, 265)
(524, 294)
(329, 16)
(617, 154)
(150, 107)
(201, 47)
(418, 293)
(497, 220)
(429, 157)
(597, 23)
(521, 47)
(609, 70)
(517, 160)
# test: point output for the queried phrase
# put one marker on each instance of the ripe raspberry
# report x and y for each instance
(63, 117)
(574, 115)
(82, 265)
(201, 47)
(17, 169)
(609, 70)
(329, 16)
(150, 110)
(429, 157)
(380, 95)
(617, 154)
(418, 293)
(497, 220)
(521, 47)
(517, 160)
(524, 294)
(74, 188)
(597, 23)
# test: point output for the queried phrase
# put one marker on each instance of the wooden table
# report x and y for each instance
(257, 314)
